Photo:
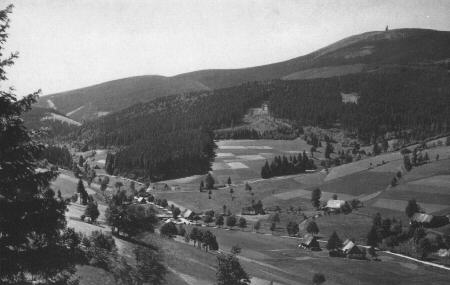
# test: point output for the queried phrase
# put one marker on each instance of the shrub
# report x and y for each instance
(74, 198)
(181, 231)
(242, 223)
(292, 228)
(168, 229)
(231, 221)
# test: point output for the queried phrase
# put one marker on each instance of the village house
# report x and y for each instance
(334, 205)
(351, 250)
(188, 214)
(310, 242)
(158, 187)
(429, 221)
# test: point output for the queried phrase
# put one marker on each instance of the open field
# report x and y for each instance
(361, 165)
(358, 184)
(68, 185)
(400, 205)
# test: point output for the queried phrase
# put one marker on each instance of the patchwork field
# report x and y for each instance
(233, 156)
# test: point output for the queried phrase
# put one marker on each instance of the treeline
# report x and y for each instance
(280, 133)
(286, 166)
(59, 156)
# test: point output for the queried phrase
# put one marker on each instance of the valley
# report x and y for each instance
(330, 166)
(274, 256)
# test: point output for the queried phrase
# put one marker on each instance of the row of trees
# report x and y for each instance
(280, 166)
(279, 133)
(203, 238)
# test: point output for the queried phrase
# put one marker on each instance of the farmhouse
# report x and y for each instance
(352, 250)
(188, 214)
(429, 221)
(310, 242)
(334, 205)
(158, 187)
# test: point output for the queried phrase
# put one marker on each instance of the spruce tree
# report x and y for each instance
(82, 191)
(209, 181)
(334, 242)
(312, 228)
(316, 194)
(92, 211)
(32, 222)
(412, 208)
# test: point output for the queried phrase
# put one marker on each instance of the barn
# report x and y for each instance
(335, 205)
(310, 242)
(351, 250)
(429, 221)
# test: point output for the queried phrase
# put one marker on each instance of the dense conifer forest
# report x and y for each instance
(59, 156)
(390, 101)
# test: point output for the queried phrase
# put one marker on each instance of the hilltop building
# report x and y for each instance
(350, 98)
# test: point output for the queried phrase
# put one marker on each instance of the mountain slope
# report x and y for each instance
(402, 46)
(98, 100)
(356, 54)
(55, 122)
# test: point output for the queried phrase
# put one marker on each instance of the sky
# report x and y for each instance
(68, 44)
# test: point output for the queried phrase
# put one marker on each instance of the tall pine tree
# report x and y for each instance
(33, 247)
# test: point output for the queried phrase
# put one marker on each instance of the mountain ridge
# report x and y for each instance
(354, 54)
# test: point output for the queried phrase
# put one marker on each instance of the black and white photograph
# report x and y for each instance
(224, 142)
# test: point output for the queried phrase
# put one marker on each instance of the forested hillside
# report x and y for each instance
(56, 123)
(95, 101)
(171, 137)
(410, 101)
(353, 55)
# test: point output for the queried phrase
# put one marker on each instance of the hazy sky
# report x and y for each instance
(66, 44)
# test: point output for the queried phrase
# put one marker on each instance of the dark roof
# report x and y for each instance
(310, 240)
